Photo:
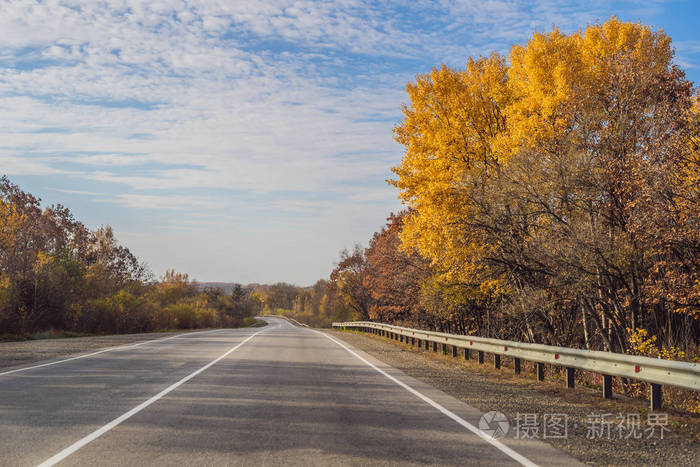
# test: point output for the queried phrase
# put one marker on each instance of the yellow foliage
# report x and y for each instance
(463, 127)
(449, 132)
(12, 224)
(42, 260)
(542, 77)
(643, 344)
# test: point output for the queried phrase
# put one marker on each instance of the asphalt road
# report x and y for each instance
(278, 395)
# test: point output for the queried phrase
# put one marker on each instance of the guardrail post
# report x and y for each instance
(655, 396)
(570, 373)
(607, 387)
(612, 365)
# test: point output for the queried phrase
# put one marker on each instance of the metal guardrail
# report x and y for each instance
(652, 370)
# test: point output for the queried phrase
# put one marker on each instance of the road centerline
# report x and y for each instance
(109, 426)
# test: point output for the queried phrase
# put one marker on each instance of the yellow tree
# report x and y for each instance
(542, 177)
(449, 131)
(12, 223)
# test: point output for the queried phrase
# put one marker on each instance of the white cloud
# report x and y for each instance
(169, 202)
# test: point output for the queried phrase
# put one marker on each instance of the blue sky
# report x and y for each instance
(245, 141)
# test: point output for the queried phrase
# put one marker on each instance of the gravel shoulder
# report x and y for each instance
(488, 389)
(15, 354)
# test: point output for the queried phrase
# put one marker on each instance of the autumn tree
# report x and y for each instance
(561, 186)
(393, 277)
(347, 280)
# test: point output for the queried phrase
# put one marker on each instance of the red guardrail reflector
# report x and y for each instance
(505, 347)
(556, 356)
(445, 338)
(471, 342)
(637, 369)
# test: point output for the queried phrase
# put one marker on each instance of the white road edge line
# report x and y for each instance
(497, 444)
(120, 347)
(99, 432)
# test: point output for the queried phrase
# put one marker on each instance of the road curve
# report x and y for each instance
(271, 396)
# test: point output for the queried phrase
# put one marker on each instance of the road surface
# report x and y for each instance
(278, 395)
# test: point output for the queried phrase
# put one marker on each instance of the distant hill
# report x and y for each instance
(227, 287)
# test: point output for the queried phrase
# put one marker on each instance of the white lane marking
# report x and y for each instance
(121, 347)
(99, 432)
(497, 444)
